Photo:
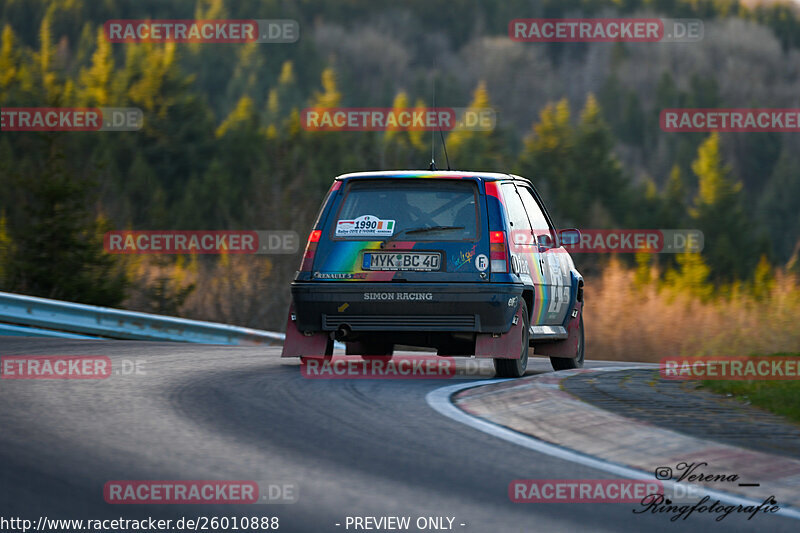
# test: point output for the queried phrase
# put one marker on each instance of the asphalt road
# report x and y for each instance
(353, 447)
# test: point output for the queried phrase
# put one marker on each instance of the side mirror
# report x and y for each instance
(545, 242)
(569, 237)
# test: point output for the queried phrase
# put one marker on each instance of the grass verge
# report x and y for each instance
(779, 397)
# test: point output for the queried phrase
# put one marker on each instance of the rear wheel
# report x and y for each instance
(563, 363)
(514, 368)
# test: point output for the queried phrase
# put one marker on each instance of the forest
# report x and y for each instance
(222, 148)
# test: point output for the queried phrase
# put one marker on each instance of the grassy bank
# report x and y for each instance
(779, 397)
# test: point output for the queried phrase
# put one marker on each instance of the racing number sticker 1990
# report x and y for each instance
(365, 225)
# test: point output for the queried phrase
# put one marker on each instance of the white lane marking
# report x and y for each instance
(439, 401)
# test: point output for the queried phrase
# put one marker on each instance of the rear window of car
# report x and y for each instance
(412, 210)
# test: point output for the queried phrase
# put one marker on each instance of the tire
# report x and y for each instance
(563, 363)
(515, 368)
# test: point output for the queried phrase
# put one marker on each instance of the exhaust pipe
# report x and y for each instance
(342, 333)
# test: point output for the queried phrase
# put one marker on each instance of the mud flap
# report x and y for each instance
(507, 346)
(298, 345)
(568, 347)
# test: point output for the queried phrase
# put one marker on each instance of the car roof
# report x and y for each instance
(450, 174)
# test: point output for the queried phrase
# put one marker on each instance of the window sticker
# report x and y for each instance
(365, 225)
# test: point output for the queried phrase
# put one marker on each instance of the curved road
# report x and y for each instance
(353, 447)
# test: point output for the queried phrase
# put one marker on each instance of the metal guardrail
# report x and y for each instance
(9, 330)
(32, 316)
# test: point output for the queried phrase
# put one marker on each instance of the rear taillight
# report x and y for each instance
(311, 249)
(498, 251)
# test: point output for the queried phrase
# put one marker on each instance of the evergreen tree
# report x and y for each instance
(45, 58)
(283, 98)
(691, 278)
(476, 149)
(598, 183)
(9, 63)
(58, 242)
(401, 147)
(330, 95)
(673, 211)
(6, 252)
(779, 205)
(719, 213)
(547, 160)
(582, 177)
(97, 80)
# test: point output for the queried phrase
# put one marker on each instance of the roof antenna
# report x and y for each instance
(433, 133)
(445, 149)
(441, 135)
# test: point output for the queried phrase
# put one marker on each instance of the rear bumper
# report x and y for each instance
(446, 307)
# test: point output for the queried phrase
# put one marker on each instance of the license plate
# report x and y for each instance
(401, 261)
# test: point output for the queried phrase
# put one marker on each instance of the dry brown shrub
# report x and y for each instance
(629, 322)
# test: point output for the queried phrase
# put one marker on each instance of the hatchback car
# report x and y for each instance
(467, 263)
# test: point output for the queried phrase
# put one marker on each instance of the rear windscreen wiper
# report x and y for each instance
(419, 230)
